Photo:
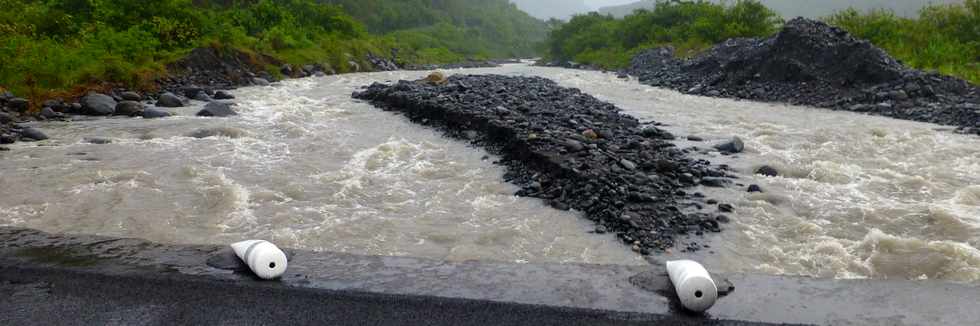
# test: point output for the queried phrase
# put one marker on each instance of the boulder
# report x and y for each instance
(223, 95)
(129, 108)
(191, 91)
(98, 104)
(754, 188)
(217, 109)
(151, 113)
(169, 100)
(5, 118)
(19, 104)
(131, 96)
(32, 134)
(203, 97)
(48, 113)
(767, 171)
(7, 139)
(260, 81)
(732, 146)
(55, 105)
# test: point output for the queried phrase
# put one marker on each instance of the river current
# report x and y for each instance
(307, 167)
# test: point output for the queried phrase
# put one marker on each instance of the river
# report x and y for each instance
(307, 167)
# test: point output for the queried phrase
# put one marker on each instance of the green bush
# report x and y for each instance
(944, 38)
(52, 46)
(689, 25)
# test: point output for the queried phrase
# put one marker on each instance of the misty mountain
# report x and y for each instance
(544, 9)
(808, 8)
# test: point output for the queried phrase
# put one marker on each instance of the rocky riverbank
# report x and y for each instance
(812, 63)
(203, 75)
(571, 150)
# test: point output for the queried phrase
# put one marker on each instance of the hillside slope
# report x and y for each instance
(807, 8)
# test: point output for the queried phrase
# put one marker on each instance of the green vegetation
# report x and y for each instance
(688, 25)
(945, 38)
(471, 28)
(50, 47)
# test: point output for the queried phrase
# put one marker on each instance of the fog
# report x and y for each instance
(563, 9)
(807, 8)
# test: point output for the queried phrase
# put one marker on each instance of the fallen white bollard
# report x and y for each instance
(262, 257)
(693, 284)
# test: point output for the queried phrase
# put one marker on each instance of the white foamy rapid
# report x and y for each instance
(858, 197)
(304, 166)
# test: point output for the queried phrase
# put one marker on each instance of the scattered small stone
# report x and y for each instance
(590, 134)
(4, 149)
(767, 171)
(260, 81)
(727, 208)
(5, 118)
(711, 201)
(436, 78)
(627, 164)
(573, 145)
(755, 188)
(722, 219)
(695, 138)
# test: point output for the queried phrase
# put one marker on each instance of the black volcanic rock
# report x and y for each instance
(812, 63)
(567, 148)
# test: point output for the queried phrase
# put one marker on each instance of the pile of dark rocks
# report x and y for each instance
(812, 63)
(571, 150)
(12, 109)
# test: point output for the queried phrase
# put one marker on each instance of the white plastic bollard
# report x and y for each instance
(262, 257)
(693, 284)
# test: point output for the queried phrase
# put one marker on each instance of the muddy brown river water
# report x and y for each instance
(307, 167)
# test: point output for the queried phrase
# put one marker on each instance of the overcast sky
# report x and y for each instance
(595, 4)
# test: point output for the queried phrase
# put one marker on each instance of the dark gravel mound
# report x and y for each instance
(569, 149)
(812, 63)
